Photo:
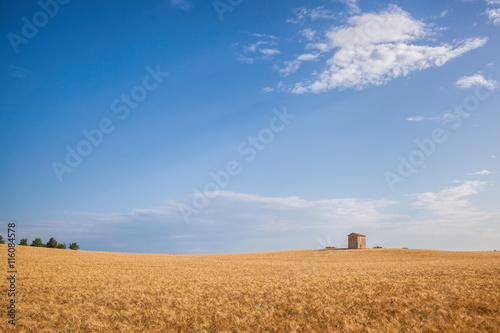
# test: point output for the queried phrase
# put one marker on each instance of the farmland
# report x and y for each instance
(373, 290)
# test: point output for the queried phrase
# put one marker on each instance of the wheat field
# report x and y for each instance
(373, 290)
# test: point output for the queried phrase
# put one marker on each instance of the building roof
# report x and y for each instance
(355, 233)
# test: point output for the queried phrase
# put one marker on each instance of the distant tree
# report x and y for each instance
(1, 240)
(37, 243)
(52, 243)
(74, 246)
(61, 246)
(24, 241)
(377, 247)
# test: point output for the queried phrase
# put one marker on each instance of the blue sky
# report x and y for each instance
(233, 126)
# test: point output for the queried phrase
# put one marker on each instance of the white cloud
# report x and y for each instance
(421, 118)
(494, 15)
(241, 213)
(449, 203)
(448, 117)
(352, 5)
(416, 118)
(267, 89)
(307, 57)
(255, 46)
(480, 173)
(290, 67)
(263, 36)
(375, 48)
(294, 65)
(294, 209)
(476, 80)
(240, 222)
(182, 4)
(225, 206)
(262, 49)
(302, 15)
(443, 13)
(308, 33)
(269, 52)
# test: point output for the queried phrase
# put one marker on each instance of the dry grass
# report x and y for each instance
(379, 290)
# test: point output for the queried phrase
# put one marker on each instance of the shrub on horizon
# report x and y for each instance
(74, 246)
(37, 243)
(52, 243)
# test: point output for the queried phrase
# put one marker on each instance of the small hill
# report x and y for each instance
(370, 290)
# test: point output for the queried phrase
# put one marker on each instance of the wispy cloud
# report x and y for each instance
(476, 80)
(493, 13)
(440, 118)
(166, 212)
(294, 65)
(182, 236)
(352, 5)
(263, 36)
(264, 48)
(302, 15)
(269, 52)
(240, 222)
(308, 33)
(232, 216)
(240, 208)
(453, 114)
(480, 173)
(416, 118)
(279, 87)
(182, 4)
(375, 48)
(294, 212)
(450, 202)
(19, 72)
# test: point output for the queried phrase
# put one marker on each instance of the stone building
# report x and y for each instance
(356, 241)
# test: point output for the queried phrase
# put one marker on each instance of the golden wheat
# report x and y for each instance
(382, 290)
